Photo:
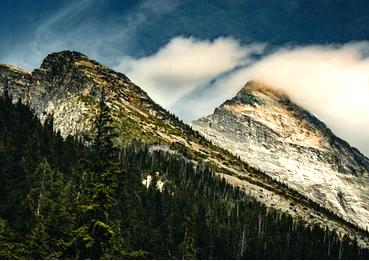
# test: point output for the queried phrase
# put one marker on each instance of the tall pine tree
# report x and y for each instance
(94, 236)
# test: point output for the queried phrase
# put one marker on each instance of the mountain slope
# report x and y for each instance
(165, 207)
(68, 85)
(270, 132)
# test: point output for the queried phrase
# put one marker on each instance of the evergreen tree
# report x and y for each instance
(97, 211)
(188, 246)
(9, 247)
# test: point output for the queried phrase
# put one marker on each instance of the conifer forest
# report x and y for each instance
(68, 199)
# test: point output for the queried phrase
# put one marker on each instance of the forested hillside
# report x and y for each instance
(61, 199)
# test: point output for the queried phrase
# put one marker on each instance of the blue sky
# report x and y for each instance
(191, 55)
(107, 29)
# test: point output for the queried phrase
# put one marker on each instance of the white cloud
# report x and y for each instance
(191, 77)
(332, 82)
(184, 64)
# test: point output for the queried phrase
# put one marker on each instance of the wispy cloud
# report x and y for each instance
(75, 27)
(191, 77)
(185, 64)
(330, 81)
(44, 39)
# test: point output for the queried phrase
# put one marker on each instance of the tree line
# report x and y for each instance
(61, 199)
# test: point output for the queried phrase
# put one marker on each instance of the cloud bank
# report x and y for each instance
(185, 64)
(191, 77)
(332, 82)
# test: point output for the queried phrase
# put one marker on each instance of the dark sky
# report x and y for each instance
(112, 28)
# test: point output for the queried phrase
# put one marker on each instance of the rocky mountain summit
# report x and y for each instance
(273, 134)
(68, 85)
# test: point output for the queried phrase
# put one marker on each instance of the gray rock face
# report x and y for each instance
(16, 80)
(51, 89)
(271, 133)
(68, 85)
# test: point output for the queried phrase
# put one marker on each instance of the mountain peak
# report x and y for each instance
(258, 93)
(68, 85)
(54, 60)
(65, 55)
(270, 132)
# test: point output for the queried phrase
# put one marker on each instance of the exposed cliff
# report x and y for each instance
(273, 134)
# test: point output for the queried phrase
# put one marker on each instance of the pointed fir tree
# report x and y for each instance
(97, 229)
